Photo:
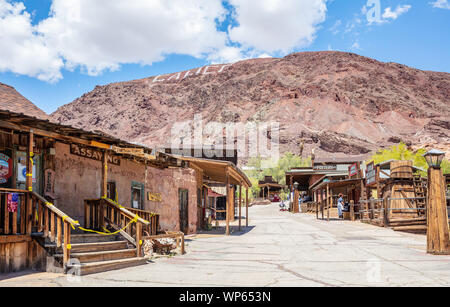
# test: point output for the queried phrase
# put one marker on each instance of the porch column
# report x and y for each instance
(104, 186)
(29, 182)
(296, 197)
(240, 205)
(227, 181)
(328, 202)
(246, 207)
(438, 241)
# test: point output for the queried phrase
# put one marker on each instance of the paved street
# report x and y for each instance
(281, 249)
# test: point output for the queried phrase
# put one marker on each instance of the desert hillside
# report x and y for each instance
(338, 103)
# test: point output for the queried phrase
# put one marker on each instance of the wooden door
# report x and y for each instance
(184, 212)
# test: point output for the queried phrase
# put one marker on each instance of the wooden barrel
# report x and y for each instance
(401, 169)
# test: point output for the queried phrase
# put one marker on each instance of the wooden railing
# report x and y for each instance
(153, 218)
(13, 223)
(35, 214)
(100, 213)
(54, 223)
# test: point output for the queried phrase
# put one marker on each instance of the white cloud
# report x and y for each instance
(22, 51)
(399, 10)
(277, 25)
(335, 27)
(101, 35)
(441, 4)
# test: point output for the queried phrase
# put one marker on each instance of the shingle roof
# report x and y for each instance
(13, 101)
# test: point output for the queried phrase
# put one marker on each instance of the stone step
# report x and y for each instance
(103, 266)
(101, 255)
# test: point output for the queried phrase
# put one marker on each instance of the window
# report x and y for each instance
(111, 190)
(137, 195)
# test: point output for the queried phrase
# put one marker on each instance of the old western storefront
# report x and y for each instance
(55, 181)
(82, 180)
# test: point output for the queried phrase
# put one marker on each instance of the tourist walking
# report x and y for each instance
(341, 205)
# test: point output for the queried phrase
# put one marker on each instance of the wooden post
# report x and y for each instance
(295, 206)
(227, 230)
(240, 205)
(328, 202)
(371, 210)
(377, 178)
(317, 210)
(59, 231)
(182, 244)
(352, 210)
(438, 240)
(104, 187)
(67, 246)
(246, 207)
(29, 182)
(138, 239)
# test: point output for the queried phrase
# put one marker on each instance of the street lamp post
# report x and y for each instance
(438, 239)
(296, 196)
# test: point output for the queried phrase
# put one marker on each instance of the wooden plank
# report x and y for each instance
(87, 217)
(41, 217)
(59, 232)
(240, 205)
(54, 135)
(227, 182)
(246, 207)
(122, 233)
(138, 239)
(46, 221)
(6, 215)
(14, 239)
(29, 181)
(52, 227)
(67, 246)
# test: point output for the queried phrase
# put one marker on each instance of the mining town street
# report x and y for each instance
(278, 249)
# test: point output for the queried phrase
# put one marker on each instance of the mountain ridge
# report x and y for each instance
(337, 103)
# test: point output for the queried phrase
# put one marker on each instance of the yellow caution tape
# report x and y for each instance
(110, 233)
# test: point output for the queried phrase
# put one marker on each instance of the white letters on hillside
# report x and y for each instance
(206, 70)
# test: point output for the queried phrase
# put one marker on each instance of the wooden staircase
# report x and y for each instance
(92, 253)
(67, 248)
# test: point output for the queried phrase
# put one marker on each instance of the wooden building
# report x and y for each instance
(395, 194)
(269, 188)
(57, 182)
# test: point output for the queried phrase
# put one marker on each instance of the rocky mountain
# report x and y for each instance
(11, 100)
(337, 103)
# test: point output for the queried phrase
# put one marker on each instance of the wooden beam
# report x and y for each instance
(246, 207)
(438, 240)
(104, 186)
(240, 205)
(227, 182)
(54, 135)
(29, 181)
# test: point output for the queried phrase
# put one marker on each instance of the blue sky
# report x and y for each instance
(54, 57)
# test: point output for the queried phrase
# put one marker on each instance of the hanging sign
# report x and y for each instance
(93, 154)
(156, 197)
(353, 170)
(6, 168)
(371, 174)
(49, 183)
(325, 167)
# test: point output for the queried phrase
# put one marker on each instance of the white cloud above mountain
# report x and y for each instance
(441, 4)
(394, 14)
(95, 36)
